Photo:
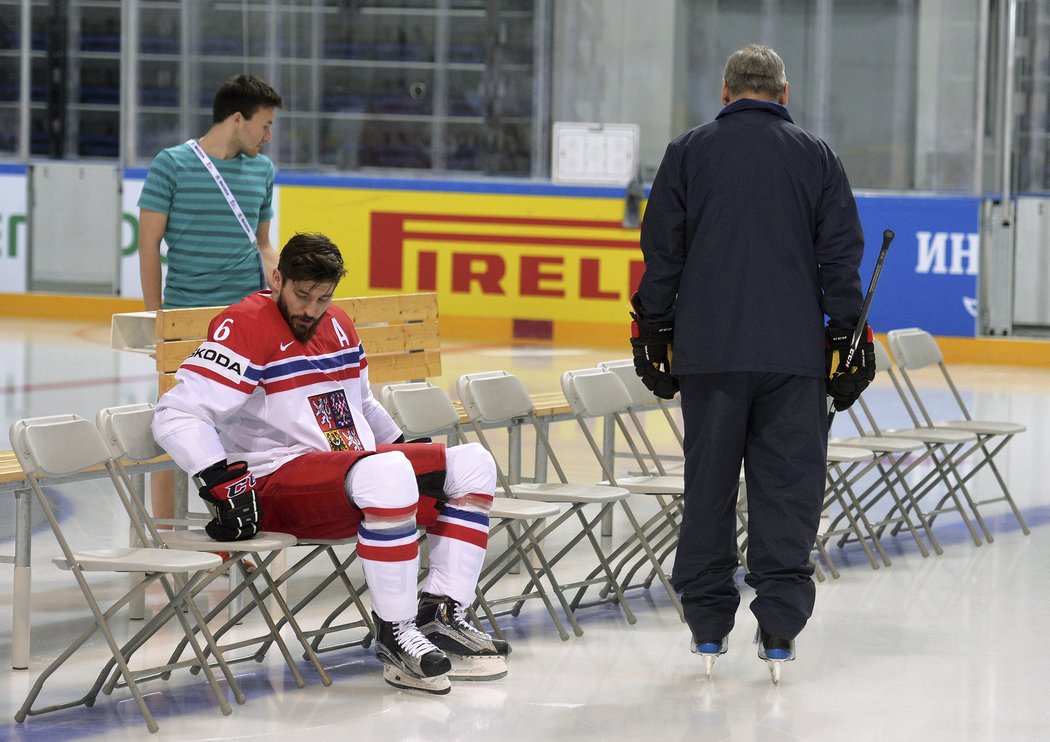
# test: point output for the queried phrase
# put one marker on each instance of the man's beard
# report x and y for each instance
(302, 327)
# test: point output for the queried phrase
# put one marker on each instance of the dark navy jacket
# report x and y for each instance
(751, 236)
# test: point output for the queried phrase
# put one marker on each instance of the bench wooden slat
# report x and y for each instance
(178, 324)
(376, 339)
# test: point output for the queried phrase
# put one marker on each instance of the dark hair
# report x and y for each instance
(243, 94)
(311, 257)
(755, 69)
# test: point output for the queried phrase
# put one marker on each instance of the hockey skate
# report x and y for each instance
(409, 660)
(710, 650)
(775, 651)
(475, 655)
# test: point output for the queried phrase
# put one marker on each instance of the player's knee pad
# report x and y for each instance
(383, 486)
(469, 469)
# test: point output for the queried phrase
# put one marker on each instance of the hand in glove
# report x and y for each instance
(845, 384)
(651, 343)
(231, 489)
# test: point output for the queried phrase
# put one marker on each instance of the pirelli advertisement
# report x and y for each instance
(504, 265)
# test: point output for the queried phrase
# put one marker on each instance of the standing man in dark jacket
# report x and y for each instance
(750, 238)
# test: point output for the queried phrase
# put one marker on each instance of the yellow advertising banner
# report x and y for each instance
(521, 265)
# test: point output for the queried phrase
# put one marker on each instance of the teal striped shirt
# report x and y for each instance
(211, 262)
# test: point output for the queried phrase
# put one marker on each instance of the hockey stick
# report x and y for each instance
(858, 332)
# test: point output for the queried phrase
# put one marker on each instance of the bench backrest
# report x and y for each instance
(399, 333)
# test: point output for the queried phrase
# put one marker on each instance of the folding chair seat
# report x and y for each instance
(67, 449)
(932, 474)
(127, 431)
(423, 410)
(497, 399)
(916, 349)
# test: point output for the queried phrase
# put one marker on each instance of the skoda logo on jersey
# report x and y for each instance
(219, 360)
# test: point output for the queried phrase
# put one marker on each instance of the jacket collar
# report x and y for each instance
(747, 104)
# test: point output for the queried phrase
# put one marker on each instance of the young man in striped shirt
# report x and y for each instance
(212, 260)
(280, 388)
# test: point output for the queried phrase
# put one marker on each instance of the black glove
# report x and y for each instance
(846, 384)
(651, 343)
(231, 489)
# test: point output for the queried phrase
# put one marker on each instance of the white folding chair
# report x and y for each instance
(499, 399)
(66, 449)
(127, 431)
(642, 399)
(930, 475)
(915, 349)
(598, 394)
(423, 410)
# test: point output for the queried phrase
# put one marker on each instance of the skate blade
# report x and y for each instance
(774, 671)
(477, 668)
(439, 685)
(709, 664)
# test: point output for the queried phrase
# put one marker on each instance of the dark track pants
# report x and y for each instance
(776, 424)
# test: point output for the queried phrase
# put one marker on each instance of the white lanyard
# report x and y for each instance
(234, 206)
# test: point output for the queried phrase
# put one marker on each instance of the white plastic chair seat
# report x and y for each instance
(984, 427)
(201, 541)
(508, 507)
(140, 560)
(881, 443)
(654, 484)
(847, 454)
(943, 436)
(570, 493)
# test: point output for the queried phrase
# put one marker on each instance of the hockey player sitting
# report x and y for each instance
(274, 413)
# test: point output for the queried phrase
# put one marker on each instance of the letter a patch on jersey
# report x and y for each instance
(332, 412)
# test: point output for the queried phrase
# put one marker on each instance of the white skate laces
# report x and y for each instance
(459, 617)
(411, 639)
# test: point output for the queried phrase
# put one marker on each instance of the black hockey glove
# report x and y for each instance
(651, 343)
(846, 384)
(231, 489)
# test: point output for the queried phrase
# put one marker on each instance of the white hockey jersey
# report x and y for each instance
(254, 392)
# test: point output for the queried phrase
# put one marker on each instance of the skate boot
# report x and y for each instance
(475, 655)
(409, 660)
(710, 650)
(775, 651)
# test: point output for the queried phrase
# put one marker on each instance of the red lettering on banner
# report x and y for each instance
(637, 271)
(590, 281)
(532, 274)
(428, 262)
(390, 231)
(488, 273)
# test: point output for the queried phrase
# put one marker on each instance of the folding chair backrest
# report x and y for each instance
(419, 408)
(128, 433)
(624, 369)
(595, 392)
(883, 359)
(494, 396)
(57, 445)
(914, 348)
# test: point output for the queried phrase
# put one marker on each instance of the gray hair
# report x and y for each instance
(755, 69)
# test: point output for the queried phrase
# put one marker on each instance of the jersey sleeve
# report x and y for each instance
(383, 426)
(213, 384)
